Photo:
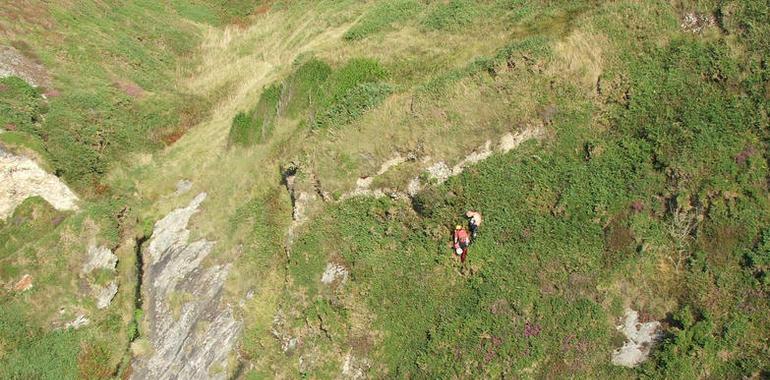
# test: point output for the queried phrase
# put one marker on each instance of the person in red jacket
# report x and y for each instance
(461, 241)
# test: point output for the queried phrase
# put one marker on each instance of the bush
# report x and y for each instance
(21, 107)
(34, 353)
(381, 16)
(451, 15)
(304, 86)
(328, 98)
(256, 126)
(353, 104)
(243, 131)
(355, 72)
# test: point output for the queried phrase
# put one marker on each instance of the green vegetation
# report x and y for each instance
(381, 17)
(115, 97)
(304, 86)
(35, 353)
(451, 15)
(666, 201)
(353, 104)
(33, 217)
(256, 126)
(326, 97)
(649, 189)
(20, 104)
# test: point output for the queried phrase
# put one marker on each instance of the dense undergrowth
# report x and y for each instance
(650, 191)
(662, 206)
(317, 95)
(113, 90)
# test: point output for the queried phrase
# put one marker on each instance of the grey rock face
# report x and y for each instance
(21, 178)
(105, 295)
(14, 63)
(80, 321)
(640, 338)
(99, 258)
(195, 345)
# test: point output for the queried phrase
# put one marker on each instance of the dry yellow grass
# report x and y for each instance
(580, 58)
(469, 112)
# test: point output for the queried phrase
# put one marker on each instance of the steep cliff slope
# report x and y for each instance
(268, 189)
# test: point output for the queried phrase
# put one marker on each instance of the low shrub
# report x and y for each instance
(381, 17)
(353, 104)
(451, 15)
(256, 126)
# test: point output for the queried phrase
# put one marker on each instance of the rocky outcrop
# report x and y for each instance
(194, 343)
(306, 197)
(440, 172)
(14, 63)
(640, 338)
(334, 272)
(21, 178)
(99, 258)
(183, 186)
(363, 184)
(24, 284)
(281, 332)
(80, 321)
(354, 368)
(104, 295)
(695, 22)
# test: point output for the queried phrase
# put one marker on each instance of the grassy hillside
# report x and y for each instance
(649, 190)
(113, 88)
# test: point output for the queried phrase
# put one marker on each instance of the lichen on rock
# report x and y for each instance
(640, 338)
(199, 338)
(21, 178)
(99, 258)
(104, 295)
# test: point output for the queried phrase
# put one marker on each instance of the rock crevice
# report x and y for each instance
(196, 341)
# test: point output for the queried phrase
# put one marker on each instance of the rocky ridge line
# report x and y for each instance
(192, 340)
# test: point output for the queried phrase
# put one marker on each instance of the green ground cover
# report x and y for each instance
(669, 199)
(649, 192)
(317, 95)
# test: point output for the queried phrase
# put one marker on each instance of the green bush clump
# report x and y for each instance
(381, 17)
(33, 217)
(21, 106)
(36, 354)
(757, 259)
(355, 72)
(243, 132)
(327, 97)
(256, 126)
(353, 104)
(350, 91)
(304, 86)
(451, 15)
